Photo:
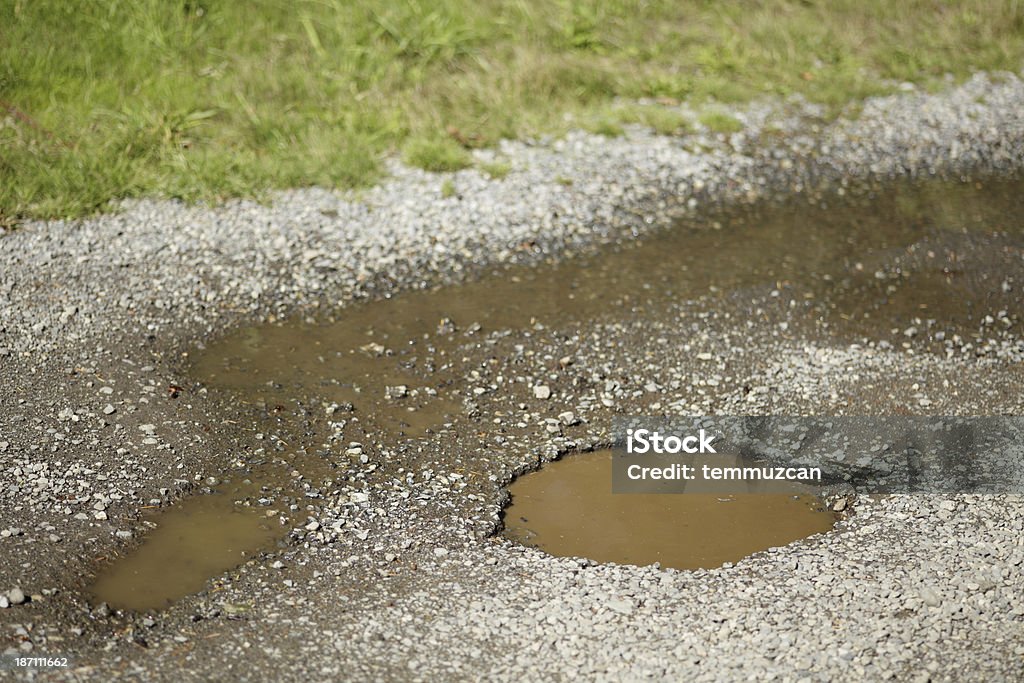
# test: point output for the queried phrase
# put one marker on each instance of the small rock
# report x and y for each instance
(620, 606)
(16, 596)
(542, 391)
(399, 391)
(373, 349)
(440, 552)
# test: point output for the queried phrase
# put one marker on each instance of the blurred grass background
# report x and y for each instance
(205, 99)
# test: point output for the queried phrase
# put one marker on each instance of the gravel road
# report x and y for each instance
(402, 579)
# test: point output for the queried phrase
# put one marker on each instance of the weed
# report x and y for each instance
(662, 120)
(436, 154)
(717, 122)
(496, 169)
(604, 125)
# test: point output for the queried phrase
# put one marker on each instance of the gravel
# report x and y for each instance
(403, 580)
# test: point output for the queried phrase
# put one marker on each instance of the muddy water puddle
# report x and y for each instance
(567, 508)
(933, 255)
(202, 537)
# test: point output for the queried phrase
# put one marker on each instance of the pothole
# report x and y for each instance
(567, 509)
(407, 369)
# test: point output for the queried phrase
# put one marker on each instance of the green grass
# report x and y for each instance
(437, 154)
(204, 99)
(448, 189)
(496, 169)
(718, 122)
(661, 120)
(604, 125)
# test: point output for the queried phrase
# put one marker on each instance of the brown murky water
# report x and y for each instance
(203, 536)
(567, 508)
(932, 254)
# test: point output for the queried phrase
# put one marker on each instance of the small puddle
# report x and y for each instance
(200, 537)
(388, 370)
(567, 509)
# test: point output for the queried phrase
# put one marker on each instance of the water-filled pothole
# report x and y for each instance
(567, 509)
(200, 537)
(936, 256)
